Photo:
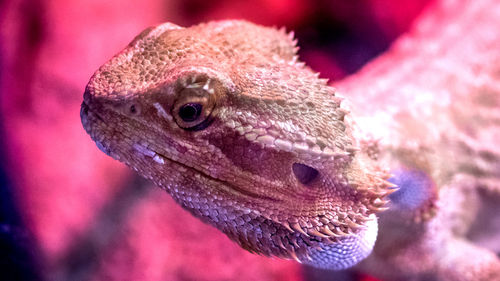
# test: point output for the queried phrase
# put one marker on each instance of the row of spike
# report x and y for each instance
(329, 230)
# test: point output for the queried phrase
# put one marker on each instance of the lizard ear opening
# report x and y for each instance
(304, 173)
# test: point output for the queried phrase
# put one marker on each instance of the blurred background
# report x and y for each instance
(69, 212)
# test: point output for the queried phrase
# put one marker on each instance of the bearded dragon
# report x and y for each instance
(226, 119)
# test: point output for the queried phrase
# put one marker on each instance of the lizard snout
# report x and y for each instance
(84, 113)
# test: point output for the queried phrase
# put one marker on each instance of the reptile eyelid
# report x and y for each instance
(197, 92)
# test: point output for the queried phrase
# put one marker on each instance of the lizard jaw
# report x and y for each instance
(161, 159)
(332, 253)
(334, 249)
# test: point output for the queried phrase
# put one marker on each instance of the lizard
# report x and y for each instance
(225, 118)
(194, 126)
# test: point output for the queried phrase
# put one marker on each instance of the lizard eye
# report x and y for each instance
(190, 112)
(194, 105)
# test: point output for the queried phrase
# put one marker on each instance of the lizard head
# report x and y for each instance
(226, 119)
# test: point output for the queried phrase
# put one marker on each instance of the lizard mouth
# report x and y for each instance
(91, 121)
(161, 159)
(84, 114)
(88, 117)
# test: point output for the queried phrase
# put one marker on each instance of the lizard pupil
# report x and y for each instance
(190, 112)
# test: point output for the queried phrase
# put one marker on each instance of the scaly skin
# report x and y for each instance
(433, 104)
(226, 119)
(262, 115)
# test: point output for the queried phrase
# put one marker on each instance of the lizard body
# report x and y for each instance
(225, 118)
(438, 105)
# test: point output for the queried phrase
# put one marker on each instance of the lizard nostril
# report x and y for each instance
(304, 173)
